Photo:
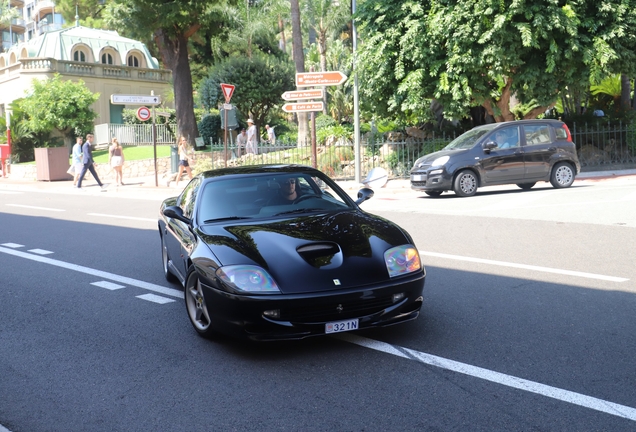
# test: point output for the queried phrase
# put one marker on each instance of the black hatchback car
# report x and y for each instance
(519, 152)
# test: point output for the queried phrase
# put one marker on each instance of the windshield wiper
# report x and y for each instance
(300, 210)
(226, 219)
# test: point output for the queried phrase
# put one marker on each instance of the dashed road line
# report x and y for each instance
(108, 285)
(12, 245)
(36, 208)
(40, 251)
(123, 217)
(97, 273)
(495, 377)
(155, 298)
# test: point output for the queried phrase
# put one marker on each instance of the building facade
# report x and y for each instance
(107, 62)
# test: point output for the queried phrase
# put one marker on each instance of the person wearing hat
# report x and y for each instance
(252, 138)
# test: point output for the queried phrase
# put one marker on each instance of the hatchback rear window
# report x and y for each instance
(561, 133)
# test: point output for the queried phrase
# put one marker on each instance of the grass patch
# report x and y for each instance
(133, 153)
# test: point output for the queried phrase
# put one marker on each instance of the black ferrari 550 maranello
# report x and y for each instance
(282, 252)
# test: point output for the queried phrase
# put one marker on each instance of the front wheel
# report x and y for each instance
(526, 186)
(562, 175)
(465, 183)
(197, 306)
(433, 193)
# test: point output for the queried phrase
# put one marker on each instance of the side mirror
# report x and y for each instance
(364, 194)
(175, 212)
(489, 146)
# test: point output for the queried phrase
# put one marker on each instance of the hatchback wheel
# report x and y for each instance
(465, 183)
(433, 193)
(197, 307)
(165, 259)
(526, 186)
(562, 175)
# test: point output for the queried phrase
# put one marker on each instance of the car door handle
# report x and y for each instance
(552, 149)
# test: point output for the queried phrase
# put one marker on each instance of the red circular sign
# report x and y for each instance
(143, 113)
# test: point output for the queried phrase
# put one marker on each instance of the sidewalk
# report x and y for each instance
(145, 188)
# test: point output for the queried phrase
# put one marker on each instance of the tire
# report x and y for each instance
(526, 186)
(433, 193)
(164, 262)
(562, 175)
(197, 307)
(465, 183)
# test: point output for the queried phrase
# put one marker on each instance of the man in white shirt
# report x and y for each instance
(252, 138)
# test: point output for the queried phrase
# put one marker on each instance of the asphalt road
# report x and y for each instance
(528, 323)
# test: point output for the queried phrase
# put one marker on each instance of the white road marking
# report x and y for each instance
(155, 298)
(526, 267)
(40, 251)
(36, 208)
(495, 377)
(97, 273)
(123, 217)
(12, 245)
(108, 285)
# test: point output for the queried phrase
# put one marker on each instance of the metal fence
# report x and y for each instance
(605, 145)
(137, 134)
(337, 160)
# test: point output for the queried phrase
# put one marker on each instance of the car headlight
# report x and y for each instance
(248, 278)
(440, 161)
(402, 260)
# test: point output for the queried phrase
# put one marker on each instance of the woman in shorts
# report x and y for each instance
(116, 160)
(183, 160)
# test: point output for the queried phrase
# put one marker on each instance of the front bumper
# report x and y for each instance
(431, 180)
(305, 315)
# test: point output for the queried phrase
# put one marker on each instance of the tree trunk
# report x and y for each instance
(281, 27)
(503, 104)
(625, 92)
(299, 60)
(174, 53)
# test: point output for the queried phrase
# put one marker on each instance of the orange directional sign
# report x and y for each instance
(304, 94)
(303, 107)
(307, 79)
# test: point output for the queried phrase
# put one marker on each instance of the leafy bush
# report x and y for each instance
(338, 131)
(209, 127)
(332, 160)
(324, 121)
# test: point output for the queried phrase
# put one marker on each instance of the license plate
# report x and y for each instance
(418, 177)
(341, 326)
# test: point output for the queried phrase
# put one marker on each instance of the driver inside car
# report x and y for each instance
(287, 192)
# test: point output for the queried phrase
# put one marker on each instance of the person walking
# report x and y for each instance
(77, 159)
(116, 160)
(271, 135)
(88, 162)
(241, 142)
(252, 138)
(183, 160)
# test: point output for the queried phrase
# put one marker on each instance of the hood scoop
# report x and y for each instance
(322, 255)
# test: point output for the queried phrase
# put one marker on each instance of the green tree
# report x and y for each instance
(89, 12)
(56, 104)
(7, 13)
(482, 52)
(259, 82)
(172, 25)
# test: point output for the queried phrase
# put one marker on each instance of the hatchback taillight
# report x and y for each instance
(567, 131)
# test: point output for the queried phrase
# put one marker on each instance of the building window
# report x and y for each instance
(107, 59)
(133, 61)
(79, 56)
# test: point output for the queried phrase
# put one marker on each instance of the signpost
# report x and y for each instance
(304, 94)
(122, 99)
(228, 91)
(308, 79)
(303, 107)
(143, 114)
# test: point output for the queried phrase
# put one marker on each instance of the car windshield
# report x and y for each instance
(267, 195)
(467, 140)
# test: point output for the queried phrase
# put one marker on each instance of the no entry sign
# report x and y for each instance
(143, 113)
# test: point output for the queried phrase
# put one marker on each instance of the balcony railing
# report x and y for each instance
(66, 67)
